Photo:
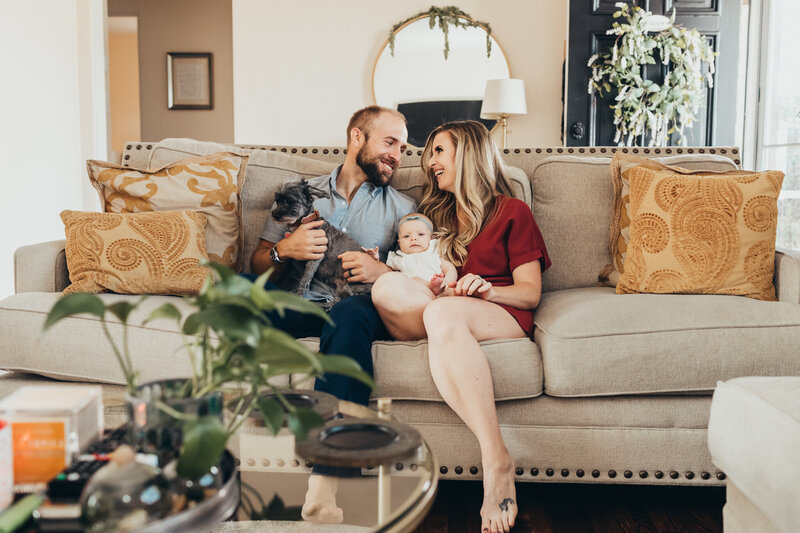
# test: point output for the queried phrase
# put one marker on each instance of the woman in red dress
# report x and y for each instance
(500, 256)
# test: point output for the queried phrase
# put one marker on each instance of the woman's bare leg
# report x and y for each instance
(461, 372)
(400, 301)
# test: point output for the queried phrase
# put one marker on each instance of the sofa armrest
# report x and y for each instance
(787, 275)
(41, 267)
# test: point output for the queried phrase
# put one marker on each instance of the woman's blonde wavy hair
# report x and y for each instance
(480, 177)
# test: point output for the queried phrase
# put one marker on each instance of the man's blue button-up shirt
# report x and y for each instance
(370, 218)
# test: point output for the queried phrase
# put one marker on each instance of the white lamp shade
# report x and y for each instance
(504, 97)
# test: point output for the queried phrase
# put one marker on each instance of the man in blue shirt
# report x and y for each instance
(363, 205)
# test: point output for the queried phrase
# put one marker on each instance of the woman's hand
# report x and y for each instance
(475, 286)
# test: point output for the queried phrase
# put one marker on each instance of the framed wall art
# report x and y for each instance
(189, 80)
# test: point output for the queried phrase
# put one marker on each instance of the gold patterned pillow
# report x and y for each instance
(621, 163)
(700, 232)
(209, 184)
(135, 253)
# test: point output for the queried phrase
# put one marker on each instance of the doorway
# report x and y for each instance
(123, 83)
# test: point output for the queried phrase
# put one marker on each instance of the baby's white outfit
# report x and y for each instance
(421, 264)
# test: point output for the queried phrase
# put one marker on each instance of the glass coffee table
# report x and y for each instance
(274, 482)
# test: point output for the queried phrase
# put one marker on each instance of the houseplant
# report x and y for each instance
(642, 106)
(229, 341)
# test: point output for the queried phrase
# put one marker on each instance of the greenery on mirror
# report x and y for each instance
(232, 346)
(445, 17)
(643, 107)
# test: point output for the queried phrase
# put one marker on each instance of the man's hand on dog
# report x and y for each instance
(306, 243)
(360, 267)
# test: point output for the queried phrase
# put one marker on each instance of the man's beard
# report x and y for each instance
(374, 170)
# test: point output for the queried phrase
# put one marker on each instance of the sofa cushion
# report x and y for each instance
(136, 253)
(401, 368)
(266, 171)
(754, 435)
(597, 343)
(571, 204)
(210, 184)
(700, 232)
(573, 201)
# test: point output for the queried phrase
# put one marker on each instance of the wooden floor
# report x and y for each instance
(568, 508)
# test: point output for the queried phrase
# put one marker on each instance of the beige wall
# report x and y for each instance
(301, 68)
(123, 87)
(182, 26)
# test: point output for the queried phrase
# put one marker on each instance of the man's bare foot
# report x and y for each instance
(499, 510)
(320, 505)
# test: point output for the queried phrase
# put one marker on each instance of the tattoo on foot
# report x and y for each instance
(505, 503)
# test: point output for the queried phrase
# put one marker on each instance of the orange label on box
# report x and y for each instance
(39, 451)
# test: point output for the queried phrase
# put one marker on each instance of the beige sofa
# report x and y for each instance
(615, 388)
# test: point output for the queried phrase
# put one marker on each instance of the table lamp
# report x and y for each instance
(502, 99)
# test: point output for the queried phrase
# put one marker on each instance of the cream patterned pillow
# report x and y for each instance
(209, 184)
(700, 232)
(135, 253)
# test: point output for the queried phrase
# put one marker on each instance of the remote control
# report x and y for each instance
(68, 485)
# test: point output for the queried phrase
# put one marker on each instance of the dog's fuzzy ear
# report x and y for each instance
(317, 193)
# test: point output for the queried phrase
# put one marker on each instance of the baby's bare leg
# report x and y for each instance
(400, 301)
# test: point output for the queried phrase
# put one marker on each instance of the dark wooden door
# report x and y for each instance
(589, 118)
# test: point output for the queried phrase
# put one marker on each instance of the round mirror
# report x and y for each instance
(429, 89)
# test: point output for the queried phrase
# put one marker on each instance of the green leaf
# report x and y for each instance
(277, 339)
(191, 325)
(236, 285)
(346, 366)
(281, 360)
(203, 443)
(261, 298)
(121, 310)
(262, 279)
(75, 304)
(302, 420)
(231, 321)
(272, 411)
(222, 271)
(166, 310)
(287, 301)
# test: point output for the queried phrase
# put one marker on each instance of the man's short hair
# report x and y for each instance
(364, 118)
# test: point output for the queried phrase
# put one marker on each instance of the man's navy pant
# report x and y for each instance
(356, 324)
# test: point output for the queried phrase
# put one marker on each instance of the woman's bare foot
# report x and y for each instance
(320, 505)
(499, 510)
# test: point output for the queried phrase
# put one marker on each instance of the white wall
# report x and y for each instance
(301, 68)
(52, 118)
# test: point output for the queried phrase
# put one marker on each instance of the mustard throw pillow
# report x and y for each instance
(700, 232)
(209, 184)
(135, 253)
(619, 234)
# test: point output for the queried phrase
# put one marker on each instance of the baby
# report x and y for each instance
(419, 257)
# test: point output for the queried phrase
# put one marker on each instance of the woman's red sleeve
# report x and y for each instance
(525, 242)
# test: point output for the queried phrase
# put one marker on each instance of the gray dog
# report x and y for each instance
(294, 205)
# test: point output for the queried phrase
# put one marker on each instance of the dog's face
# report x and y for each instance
(294, 201)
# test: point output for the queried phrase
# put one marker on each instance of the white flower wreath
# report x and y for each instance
(643, 105)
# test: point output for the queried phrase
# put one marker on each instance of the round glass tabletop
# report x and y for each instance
(294, 495)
